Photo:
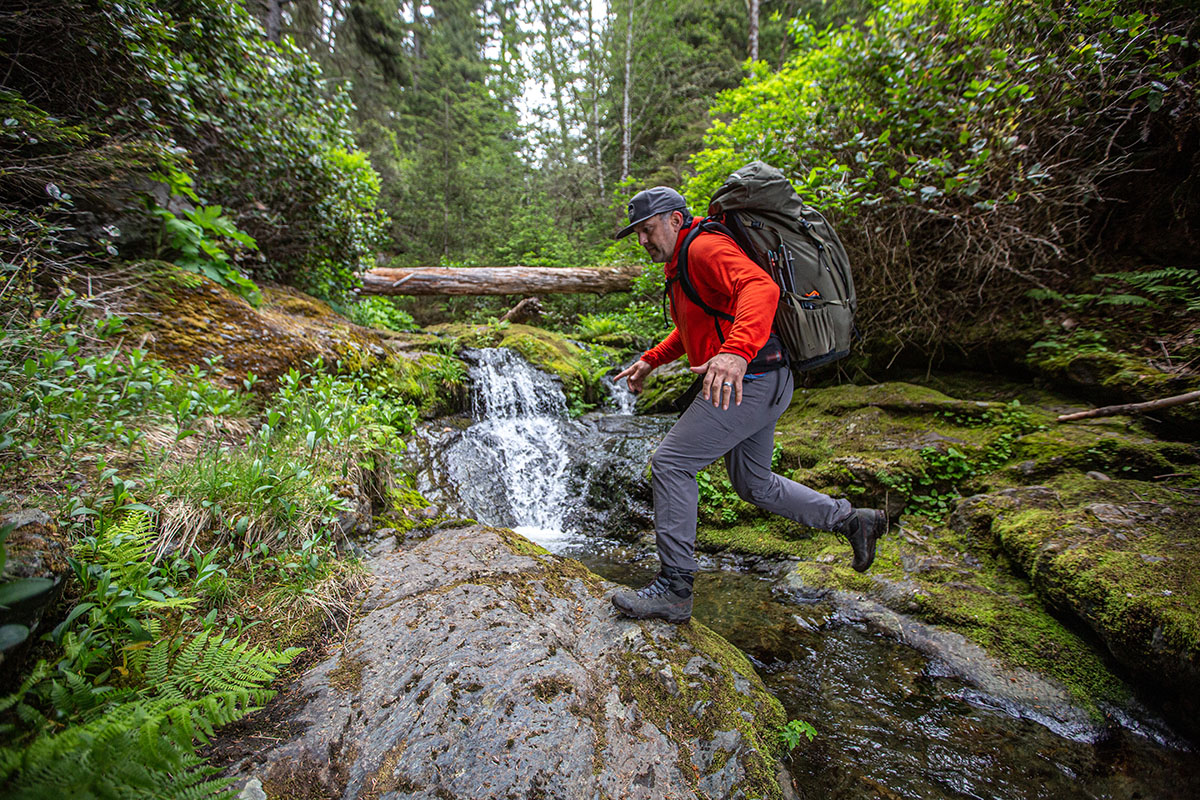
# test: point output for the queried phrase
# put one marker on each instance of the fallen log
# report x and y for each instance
(497, 280)
(1133, 408)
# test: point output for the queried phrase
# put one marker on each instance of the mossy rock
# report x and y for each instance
(1123, 558)
(1116, 376)
(482, 660)
(663, 387)
(187, 318)
(1106, 446)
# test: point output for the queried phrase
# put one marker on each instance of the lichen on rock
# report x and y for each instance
(484, 667)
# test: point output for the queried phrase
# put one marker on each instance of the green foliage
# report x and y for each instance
(936, 490)
(1158, 289)
(197, 88)
(280, 488)
(153, 655)
(592, 327)
(76, 727)
(13, 630)
(792, 732)
(960, 139)
(72, 396)
(379, 312)
(718, 500)
(199, 238)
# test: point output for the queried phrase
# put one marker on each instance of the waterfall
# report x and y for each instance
(511, 465)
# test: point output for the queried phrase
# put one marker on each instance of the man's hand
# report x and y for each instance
(723, 375)
(636, 373)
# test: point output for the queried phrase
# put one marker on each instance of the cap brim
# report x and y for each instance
(628, 229)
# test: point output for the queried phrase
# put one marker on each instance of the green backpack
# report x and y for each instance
(758, 208)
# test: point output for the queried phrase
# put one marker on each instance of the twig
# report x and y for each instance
(1132, 408)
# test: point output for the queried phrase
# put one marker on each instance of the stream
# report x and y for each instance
(891, 721)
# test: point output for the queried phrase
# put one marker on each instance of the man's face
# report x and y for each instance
(659, 234)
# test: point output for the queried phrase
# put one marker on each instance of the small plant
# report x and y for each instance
(594, 326)
(793, 731)
(201, 238)
(380, 312)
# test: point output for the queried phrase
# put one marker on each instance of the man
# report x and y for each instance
(746, 386)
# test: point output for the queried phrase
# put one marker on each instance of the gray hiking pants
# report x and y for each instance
(745, 435)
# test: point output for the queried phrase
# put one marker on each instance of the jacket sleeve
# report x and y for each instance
(752, 294)
(665, 351)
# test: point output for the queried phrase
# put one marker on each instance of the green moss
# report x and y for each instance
(519, 545)
(661, 391)
(699, 706)
(404, 512)
(772, 537)
(580, 369)
(433, 383)
(1130, 578)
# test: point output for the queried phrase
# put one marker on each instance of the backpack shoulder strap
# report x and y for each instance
(681, 264)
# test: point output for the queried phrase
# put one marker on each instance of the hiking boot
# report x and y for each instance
(863, 528)
(668, 596)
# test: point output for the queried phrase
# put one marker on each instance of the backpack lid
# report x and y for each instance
(757, 186)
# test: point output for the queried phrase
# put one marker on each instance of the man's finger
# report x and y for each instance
(737, 389)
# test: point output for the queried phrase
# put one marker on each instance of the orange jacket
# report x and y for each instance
(729, 282)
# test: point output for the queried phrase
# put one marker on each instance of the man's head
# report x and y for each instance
(657, 215)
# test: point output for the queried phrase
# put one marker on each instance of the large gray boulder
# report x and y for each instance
(484, 667)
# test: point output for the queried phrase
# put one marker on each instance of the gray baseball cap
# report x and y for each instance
(648, 202)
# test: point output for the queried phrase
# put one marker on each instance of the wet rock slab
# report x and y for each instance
(484, 667)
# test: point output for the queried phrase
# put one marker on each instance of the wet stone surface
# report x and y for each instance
(484, 667)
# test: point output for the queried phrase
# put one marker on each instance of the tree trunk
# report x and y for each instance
(272, 18)
(497, 280)
(594, 73)
(753, 29)
(625, 137)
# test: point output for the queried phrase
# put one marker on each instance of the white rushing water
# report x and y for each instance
(514, 459)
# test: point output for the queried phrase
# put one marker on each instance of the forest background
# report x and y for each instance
(968, 152)
(1013, 180)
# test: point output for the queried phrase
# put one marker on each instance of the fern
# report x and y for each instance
(114, 756)
(1124, 300)
(1168, 284)
(137, 740)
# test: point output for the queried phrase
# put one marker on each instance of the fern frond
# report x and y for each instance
(1124, 300)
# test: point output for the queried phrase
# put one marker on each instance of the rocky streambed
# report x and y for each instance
(1034, 603)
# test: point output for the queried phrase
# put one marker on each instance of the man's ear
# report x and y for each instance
(677, 220)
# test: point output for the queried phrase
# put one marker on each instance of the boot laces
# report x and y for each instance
(656, 588)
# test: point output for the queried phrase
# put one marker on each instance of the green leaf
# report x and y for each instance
(11, 636)
(19, 591)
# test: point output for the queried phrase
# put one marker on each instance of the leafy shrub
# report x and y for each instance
(965, 148)
(196, 88)
(199, 238)
(379, 312)
(71, 396)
